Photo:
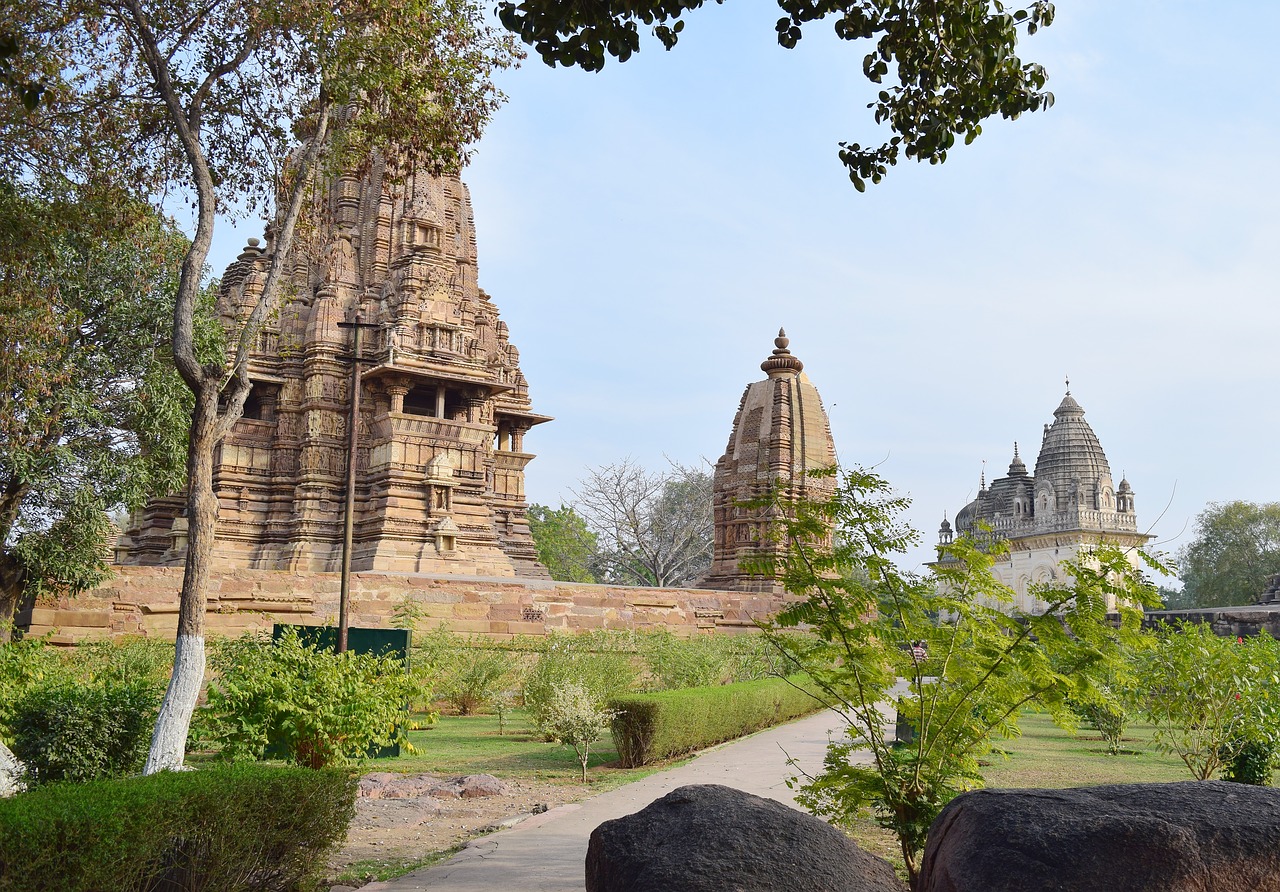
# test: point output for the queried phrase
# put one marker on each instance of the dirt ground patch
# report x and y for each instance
(414, 816)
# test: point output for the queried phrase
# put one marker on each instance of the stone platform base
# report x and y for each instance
(144, 601)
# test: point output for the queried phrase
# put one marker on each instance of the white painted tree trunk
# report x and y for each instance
(169, 740)
(11, 772)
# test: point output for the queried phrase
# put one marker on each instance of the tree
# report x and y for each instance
(242, 102)
(954, 61)
(565, 546)
(576, 719)
(986, 660)
(653, 528)
(1209, 696)
(92, 414)
(1235, 551)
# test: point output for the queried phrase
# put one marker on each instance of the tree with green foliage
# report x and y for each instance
(318, 707)
(92, 414)
(232, 103)
(566, 547)
(1210, 697)
(576, 719)
(943, 66)
(988, 661)
(653, 528)
(1235, 551)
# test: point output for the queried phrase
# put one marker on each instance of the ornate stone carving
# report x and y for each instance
(441, 380)
(780, 432)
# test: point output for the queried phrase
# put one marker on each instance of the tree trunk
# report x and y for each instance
(12, 583)
(169, 741)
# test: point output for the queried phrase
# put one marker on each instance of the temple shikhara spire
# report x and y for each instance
(780, 432)
(1070, 503)
(445, 408)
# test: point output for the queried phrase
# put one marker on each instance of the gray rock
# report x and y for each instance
(11, 773)
(1192, 836)
(709, 838)
(474, 785)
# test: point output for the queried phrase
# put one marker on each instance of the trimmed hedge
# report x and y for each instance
(221, 829)
(648, 727)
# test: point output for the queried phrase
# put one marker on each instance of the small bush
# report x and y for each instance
(80, 732)
(575, 719)
(1252, 762)
(568, 659)
(241, 828)
(648, 727)
(24, 664)
(319, 707)
(688, 662)
(468, 674)
(123, 659)
(1106, 716)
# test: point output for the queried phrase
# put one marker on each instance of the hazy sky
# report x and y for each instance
(646, 230)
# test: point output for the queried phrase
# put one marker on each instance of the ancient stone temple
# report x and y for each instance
(1068, 504)
(445, 408)
(780, 432)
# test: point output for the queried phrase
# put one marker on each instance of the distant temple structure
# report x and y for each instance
(1067, 505)
(780, 432)
(445, 407)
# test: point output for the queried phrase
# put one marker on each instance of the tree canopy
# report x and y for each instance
(1235, 551)
(652, 527)
(943, 66)
(565, 546)
(92, 414)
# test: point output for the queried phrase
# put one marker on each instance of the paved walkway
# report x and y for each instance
(548, 853)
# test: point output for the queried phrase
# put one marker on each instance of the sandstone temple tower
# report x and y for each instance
(780, 432)
(1070, 503)
(445, 407)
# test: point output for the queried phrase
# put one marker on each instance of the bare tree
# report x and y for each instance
(652, 527)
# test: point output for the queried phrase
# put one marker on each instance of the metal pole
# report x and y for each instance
(349, 509)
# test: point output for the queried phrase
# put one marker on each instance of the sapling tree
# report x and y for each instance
(234, 102)
(991, 661)
(577, 719)
(1209, 697)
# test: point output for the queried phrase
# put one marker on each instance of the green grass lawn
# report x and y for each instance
(472, 745)
(1046, 756)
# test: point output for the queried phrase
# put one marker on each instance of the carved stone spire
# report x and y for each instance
(781, 362)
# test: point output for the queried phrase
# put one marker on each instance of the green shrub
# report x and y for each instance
(1107, 716)
(222, 829)
(570, 659)
(123, 659)
(80, 732)
(688, 662)
(467, 673)
(577, 720)
(648, 727)
(1250, 762)
(318, 707)
(24, 664)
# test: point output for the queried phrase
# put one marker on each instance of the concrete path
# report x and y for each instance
(547, 853)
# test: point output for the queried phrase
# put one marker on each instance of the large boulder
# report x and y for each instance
(1192, 836)
(709, 838)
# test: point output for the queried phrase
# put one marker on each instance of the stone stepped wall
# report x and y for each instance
(144, 601)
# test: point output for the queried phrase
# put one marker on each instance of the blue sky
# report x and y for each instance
(645, 231)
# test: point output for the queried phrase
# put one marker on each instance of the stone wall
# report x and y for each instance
(1228, 622)
(144, 601)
